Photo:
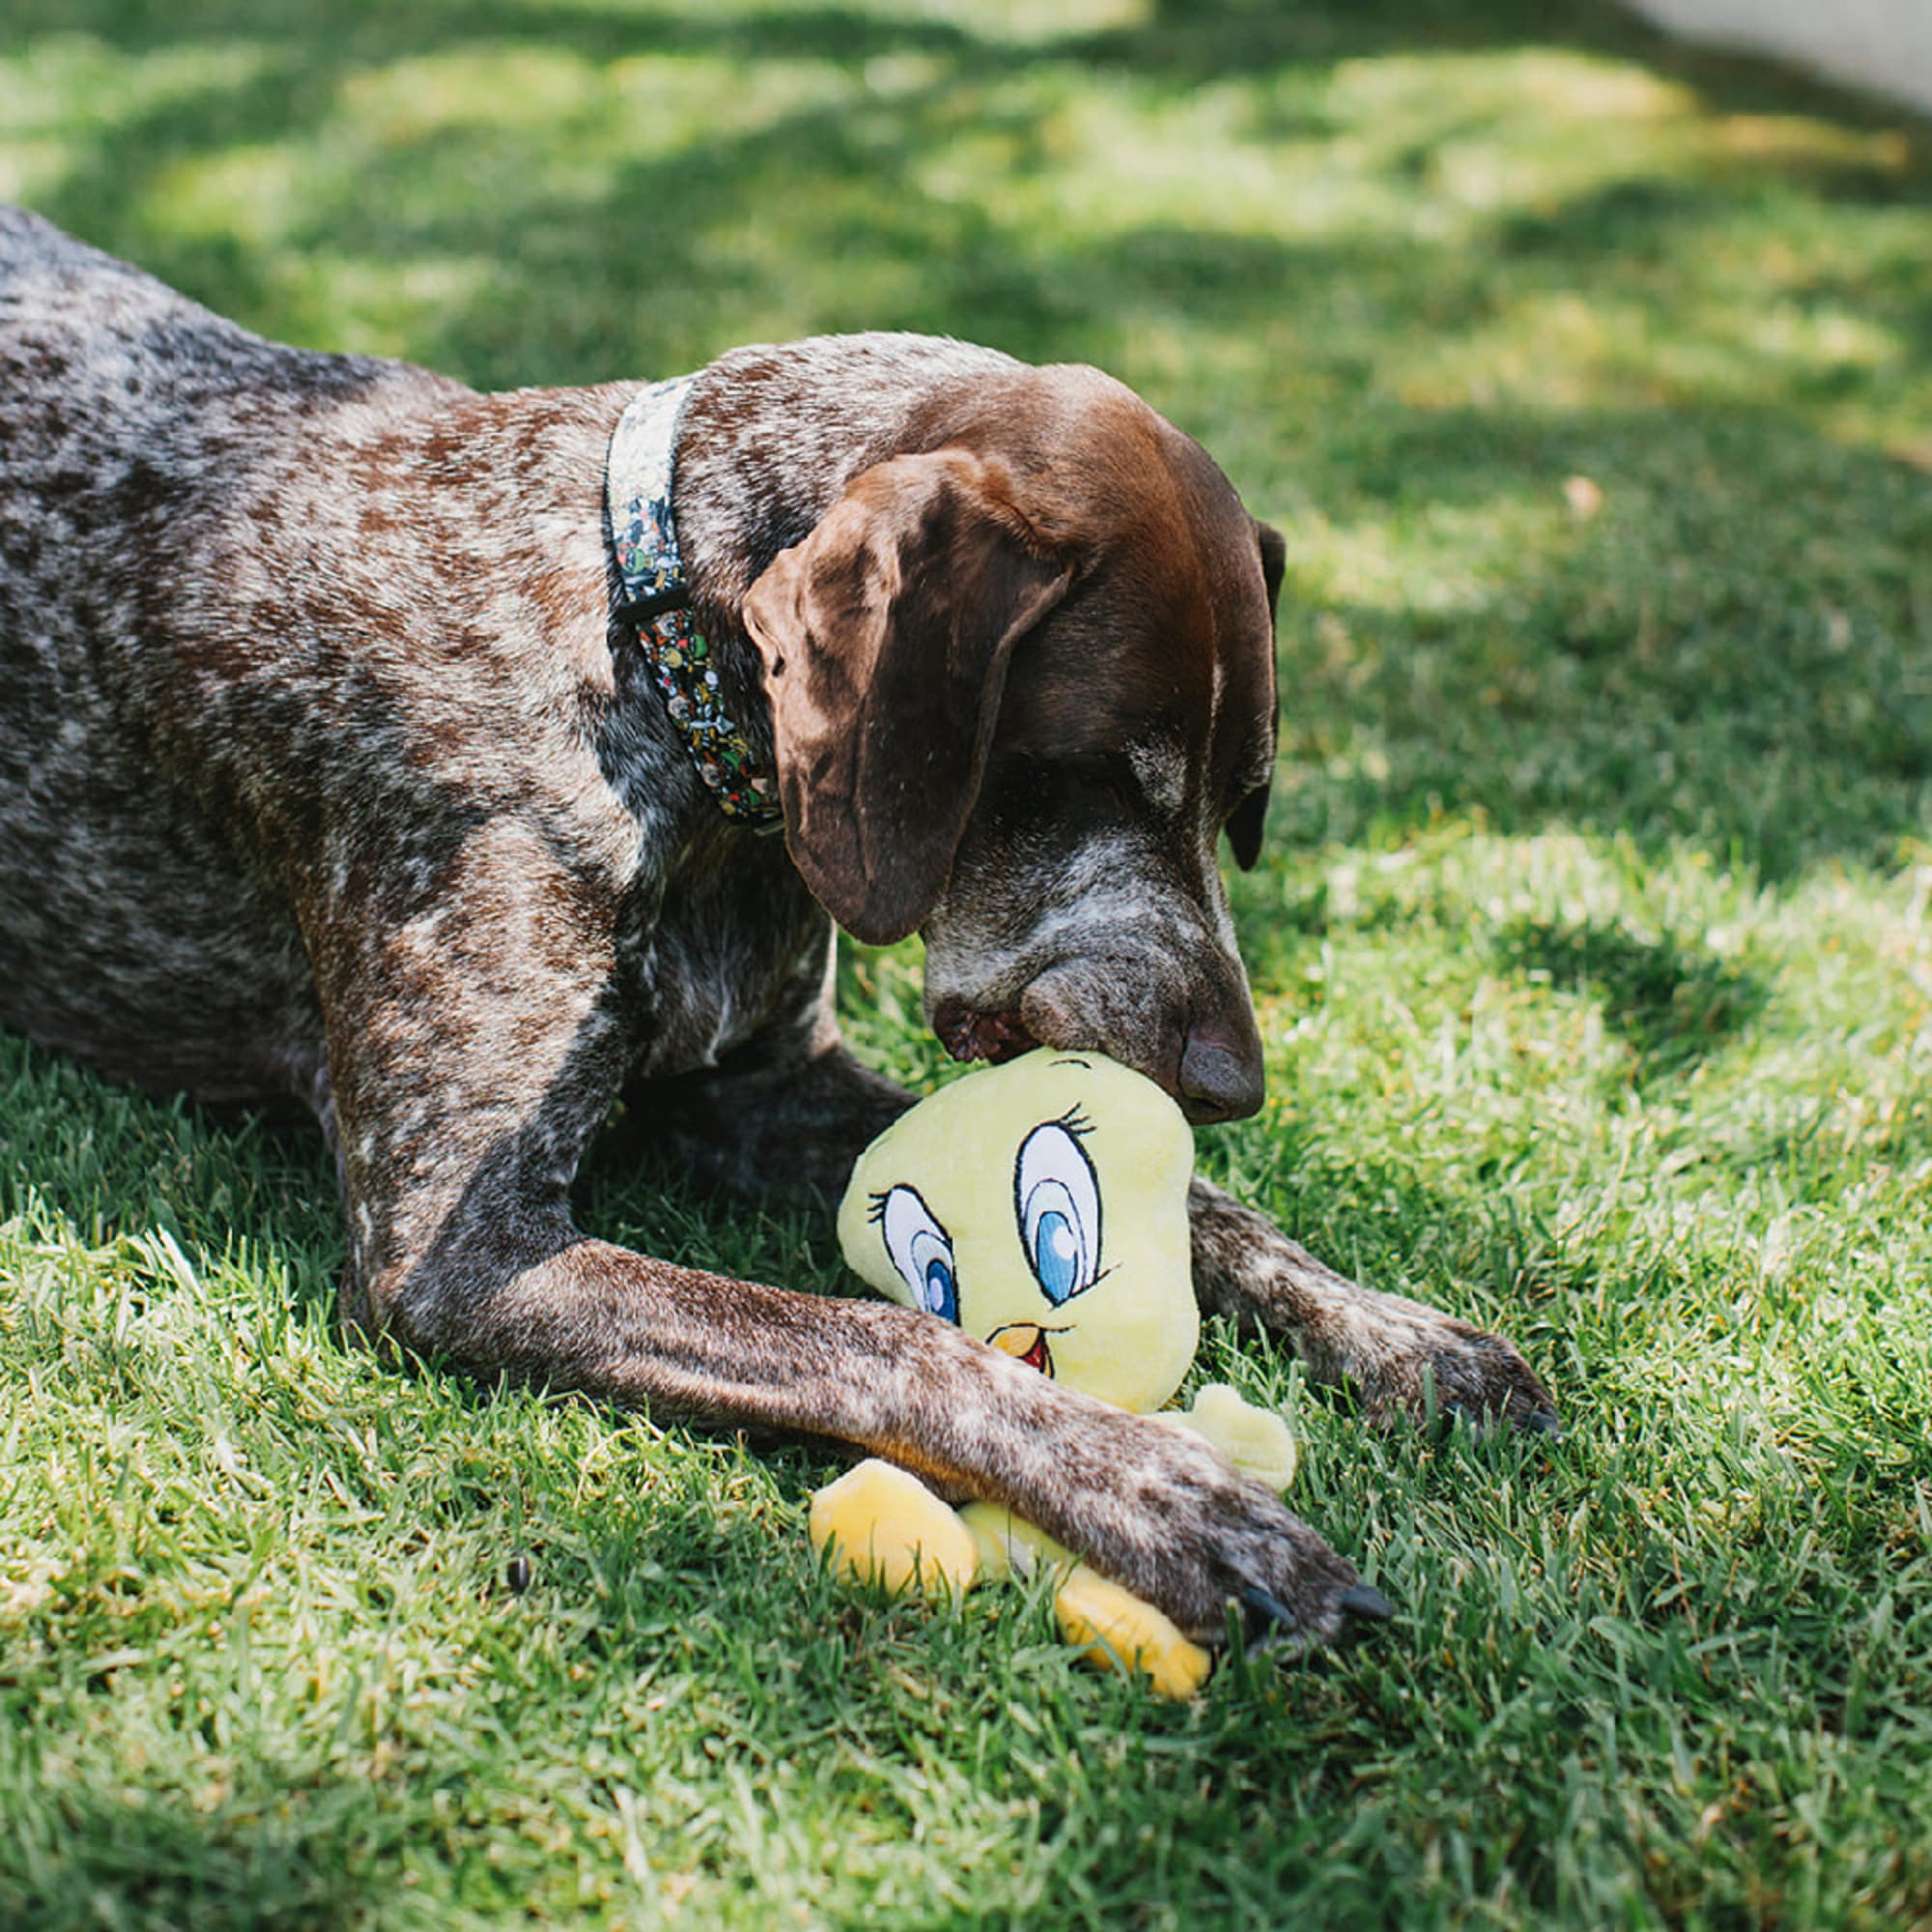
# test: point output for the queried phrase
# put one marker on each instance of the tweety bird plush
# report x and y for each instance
(1041, 1205)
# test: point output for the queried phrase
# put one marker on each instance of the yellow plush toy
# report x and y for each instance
(1043, 1206)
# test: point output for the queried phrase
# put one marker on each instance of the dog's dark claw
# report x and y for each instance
(1263, 1607)
(1364, 1599)
(1273, 1625)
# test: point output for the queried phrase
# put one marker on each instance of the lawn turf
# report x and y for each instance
(1590, 381)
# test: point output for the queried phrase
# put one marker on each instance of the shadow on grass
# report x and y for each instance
(1671, 1002)
(105, 1160)
(1738, 660)
(162, 1862)
(628, 241)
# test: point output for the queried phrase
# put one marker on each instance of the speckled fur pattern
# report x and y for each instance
(327, 772)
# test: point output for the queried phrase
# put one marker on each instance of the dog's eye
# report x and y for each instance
(1087, 780)
(921, 1250)
(1059, 1200)
(1097, 779)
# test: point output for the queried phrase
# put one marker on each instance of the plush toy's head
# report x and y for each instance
(1043, 1206)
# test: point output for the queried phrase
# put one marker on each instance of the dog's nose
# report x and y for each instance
(1220, 1076)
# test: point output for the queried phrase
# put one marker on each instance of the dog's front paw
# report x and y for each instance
(1416, 1363)
(1406, 1359)
(1197, 1539)
(1295, 1593)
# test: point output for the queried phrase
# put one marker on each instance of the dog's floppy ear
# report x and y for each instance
(1248, 818)
(885, 637)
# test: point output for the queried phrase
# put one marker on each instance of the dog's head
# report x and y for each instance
(1020, 683)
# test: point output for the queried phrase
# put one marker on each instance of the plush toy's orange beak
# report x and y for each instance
(1027, 1341)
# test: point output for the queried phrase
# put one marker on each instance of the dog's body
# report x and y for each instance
(329, 768)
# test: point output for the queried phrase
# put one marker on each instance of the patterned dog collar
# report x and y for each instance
(638, 487)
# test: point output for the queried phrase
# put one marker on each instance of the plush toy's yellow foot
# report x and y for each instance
(1112, 1626)
(1256, 1440)
(1117, 1632)
(884, 1527)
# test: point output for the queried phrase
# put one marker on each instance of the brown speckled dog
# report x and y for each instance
(329, 767)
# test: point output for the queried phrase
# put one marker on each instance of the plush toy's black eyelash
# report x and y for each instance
(876, 1211)
(1075, 1123)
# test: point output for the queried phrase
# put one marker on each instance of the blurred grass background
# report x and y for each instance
(1591, 382)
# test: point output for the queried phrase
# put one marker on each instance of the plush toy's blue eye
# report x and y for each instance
(1057, 1197)
(1056, 1254)
(941, 1297)
(921, 1251)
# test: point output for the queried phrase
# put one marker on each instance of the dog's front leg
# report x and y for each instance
(466, 1076)
(1159, 1512)
(1390, 1348)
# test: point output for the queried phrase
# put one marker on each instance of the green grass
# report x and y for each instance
(1591, 950)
